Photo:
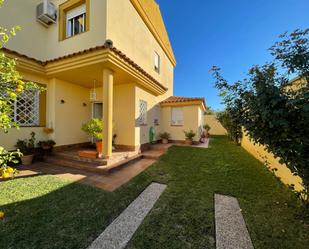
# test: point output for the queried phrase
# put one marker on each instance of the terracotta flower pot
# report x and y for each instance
(99, 148)
(188, 141)
(164, 141)
(46, 147)
(27, 160)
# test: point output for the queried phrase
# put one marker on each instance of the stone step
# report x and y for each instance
(92, 167)
(64, 162)
(76, 157)
(153, 154)
(125, 162)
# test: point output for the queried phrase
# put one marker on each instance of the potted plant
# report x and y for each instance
(26, 147)
(94, 129)
(189, 136)
(165, 136)
(206, 129)
(47, 145)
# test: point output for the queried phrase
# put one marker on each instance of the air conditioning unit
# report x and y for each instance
(46, 13)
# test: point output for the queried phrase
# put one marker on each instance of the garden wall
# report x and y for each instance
(283, 172)
(215, 125)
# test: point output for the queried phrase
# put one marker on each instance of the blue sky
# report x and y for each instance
(231, 34)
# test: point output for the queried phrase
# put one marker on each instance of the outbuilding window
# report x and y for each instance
(177, 116)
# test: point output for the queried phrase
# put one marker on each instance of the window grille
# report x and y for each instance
(142, 112)
(26, 108)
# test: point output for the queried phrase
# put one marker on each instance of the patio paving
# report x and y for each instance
(108, 182)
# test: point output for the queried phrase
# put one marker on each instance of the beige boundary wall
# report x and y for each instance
(283, 172)
(215, 125)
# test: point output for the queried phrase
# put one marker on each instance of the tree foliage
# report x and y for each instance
(273, 110)
(11, 85)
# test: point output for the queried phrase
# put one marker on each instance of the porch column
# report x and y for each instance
(108, 81)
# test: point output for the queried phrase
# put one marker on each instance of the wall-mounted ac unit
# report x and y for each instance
(46, 13)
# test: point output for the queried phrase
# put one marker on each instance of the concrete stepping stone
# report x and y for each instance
(120, 231)
(231, 230)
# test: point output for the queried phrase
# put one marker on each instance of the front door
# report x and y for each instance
(97, 110)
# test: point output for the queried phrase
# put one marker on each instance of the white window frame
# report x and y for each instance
(157, 62)
(177, 116)
(35, 112)
(71, 15)
(143, 109)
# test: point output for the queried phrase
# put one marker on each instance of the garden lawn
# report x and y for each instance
(47, 212)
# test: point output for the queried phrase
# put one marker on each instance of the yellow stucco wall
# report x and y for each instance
(34, 40)
(282, 172)
(67, 118)
(191, 121)
(215, 125)
(142, 132)
(131, 35)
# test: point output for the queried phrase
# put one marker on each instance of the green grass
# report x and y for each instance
(46, 212)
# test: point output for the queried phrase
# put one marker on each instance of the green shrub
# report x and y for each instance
(94, 128)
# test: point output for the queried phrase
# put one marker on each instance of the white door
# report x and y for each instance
(97, 110)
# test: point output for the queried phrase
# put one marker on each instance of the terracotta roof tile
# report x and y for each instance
(176, 99)
(103, 47)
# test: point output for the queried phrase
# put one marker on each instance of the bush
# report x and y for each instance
(94, 128)
(165, 135)
(273, 110)
(26, 146)
(189, 134)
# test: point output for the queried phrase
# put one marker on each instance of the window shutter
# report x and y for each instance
(177, 116)
(42, 109)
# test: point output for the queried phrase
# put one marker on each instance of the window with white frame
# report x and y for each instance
(26, 109)
(177, 116)
(157, 62)
(142, 119)
(76, 21)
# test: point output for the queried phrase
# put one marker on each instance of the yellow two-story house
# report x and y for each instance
(109, 59)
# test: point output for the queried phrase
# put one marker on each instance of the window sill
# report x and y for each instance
(67, 38)
(176, 125)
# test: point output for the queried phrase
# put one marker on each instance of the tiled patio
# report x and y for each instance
(124, 166)
(109, 182)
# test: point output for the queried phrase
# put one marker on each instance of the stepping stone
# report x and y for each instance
(120, 231)
(231, 230)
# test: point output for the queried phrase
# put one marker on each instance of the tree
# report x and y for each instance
(11, 85)
(272, 111)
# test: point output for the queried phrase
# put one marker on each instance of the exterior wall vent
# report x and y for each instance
(46, 13)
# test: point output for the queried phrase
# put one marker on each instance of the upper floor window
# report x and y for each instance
(76, 21)
(157, 62)
(74, 16)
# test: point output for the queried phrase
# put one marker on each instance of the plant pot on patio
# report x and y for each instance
(165, 136)
(99, 148)
(27, 160)
(189, 137)
(27, 148)
(188, 141)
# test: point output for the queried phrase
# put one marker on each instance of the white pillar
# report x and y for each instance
(108, 83)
